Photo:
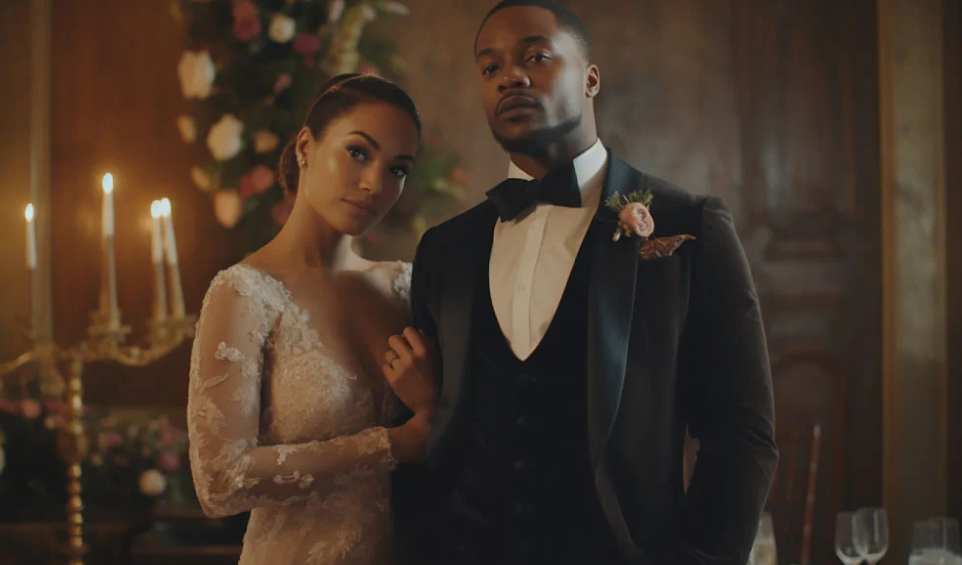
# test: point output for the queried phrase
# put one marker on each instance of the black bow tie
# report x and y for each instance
(513, 196)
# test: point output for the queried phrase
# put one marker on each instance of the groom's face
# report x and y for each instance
(535, 78)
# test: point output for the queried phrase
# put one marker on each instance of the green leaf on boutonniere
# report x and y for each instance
(617, 201)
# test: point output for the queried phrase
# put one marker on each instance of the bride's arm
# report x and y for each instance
(232, 473)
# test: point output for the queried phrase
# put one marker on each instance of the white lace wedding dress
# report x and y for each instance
(280, 427)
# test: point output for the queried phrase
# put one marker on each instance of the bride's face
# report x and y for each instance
(355, 170)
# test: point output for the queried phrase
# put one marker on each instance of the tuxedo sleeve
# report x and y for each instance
(414, 490)
(421, 289)
(727, 398)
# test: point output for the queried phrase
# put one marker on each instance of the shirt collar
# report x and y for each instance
(589, 169)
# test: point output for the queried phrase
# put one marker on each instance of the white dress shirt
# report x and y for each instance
(532, 255)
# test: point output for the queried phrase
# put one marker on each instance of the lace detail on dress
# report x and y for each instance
(402, 281)
(225, 353)
(279, 426)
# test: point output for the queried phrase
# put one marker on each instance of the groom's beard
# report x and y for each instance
(536, 143)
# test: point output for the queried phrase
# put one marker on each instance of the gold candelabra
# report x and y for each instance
(60, 370)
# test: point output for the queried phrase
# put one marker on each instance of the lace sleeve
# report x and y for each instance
(231, 472)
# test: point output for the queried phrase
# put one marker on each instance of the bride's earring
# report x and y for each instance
(302, 161)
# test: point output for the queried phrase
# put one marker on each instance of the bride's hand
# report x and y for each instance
(409, 369)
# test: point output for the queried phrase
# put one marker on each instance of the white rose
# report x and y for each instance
(282, 28)
(201, 178)
(152, 482)
(188, 131)
(335, 10)
(196, 71)
(224, 138)
(265, 141)
(228, 208)
(395, 8)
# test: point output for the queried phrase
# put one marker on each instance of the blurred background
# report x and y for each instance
(832, 130)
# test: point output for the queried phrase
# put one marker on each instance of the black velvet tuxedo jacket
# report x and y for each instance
(673, 343)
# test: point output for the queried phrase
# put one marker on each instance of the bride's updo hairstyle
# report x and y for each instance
(338, 96)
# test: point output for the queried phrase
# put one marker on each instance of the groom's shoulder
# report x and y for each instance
(463, 227)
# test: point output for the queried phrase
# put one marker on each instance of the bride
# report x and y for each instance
(287, 404)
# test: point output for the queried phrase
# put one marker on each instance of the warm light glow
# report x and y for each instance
(156, 209)
(28, 213)
(108, 183)
(165, 207)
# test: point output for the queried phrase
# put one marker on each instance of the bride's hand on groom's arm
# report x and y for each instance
(409, 370)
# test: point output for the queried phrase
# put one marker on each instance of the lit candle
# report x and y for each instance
(28, 213)
(107, 210)
(157, 259)
(170, 253)
(34, 285)
(108, 286)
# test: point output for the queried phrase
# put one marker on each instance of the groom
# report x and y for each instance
(572, 364)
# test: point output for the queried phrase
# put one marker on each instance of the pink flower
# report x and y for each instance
(247, 21)
(306, 44)
(282, 211)
(635, 219)
(258, 180)
(106, 440)
(9, 406)
(262, 178)
(168, 461)
(30, 409)
(54, 405)
(283, 81)
(245, 187)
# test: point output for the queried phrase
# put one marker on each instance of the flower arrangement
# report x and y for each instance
(250, 70)
(132, 461)
(138, 457)
(31, 474)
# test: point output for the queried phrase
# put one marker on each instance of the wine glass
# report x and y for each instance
(847, 539)
(872, 539)
(949, 527)
(935, 542)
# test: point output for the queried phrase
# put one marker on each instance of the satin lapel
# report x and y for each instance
(611, 299)
(460, 278)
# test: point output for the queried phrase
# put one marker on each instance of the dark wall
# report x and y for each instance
(15, 164)
(115, 98)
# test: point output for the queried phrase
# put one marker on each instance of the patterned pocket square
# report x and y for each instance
(658, 247)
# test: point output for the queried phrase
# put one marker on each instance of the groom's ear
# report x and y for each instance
(592, 81)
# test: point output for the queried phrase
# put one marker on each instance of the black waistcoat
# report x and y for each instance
(525, 493)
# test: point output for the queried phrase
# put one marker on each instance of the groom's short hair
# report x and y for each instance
(567, 20)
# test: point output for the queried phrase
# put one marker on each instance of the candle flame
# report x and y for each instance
(108, 183)
(165, 207)
(28, 212)
(156, 209)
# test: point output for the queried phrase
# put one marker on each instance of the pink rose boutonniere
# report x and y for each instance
(635, 219)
